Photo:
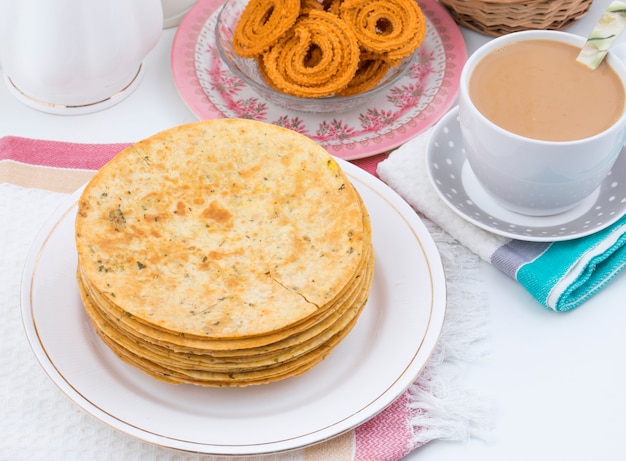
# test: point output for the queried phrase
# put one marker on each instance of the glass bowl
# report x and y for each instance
(247, 70)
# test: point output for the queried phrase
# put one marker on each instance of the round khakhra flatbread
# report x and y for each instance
(224, 252)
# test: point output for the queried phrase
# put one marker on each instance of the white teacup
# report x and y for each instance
(531, 176)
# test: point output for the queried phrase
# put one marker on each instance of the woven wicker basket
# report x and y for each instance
(500, 17)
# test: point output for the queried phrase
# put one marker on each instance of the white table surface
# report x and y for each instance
(557, 381)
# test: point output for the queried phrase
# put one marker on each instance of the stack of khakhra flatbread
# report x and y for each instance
(223, 253)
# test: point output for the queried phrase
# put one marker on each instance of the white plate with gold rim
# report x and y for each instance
(379, 359)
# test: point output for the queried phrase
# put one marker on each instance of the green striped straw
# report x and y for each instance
(608, 28)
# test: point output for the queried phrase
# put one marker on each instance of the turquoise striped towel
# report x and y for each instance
(560, 275)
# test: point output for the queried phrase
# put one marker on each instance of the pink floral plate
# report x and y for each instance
(413, 104)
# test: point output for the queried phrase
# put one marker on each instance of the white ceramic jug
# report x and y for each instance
(69, 56)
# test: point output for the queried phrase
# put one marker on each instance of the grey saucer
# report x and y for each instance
(456, 184)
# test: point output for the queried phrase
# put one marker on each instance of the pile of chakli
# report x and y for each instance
(311, 48)
(223, 253)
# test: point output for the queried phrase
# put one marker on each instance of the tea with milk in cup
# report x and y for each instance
(542, 131)
(537, 89)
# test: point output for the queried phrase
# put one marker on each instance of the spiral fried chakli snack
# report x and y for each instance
(321, 43)
(311, 5)
(319, 56)
(262, 23)
(394, 28)
(332, 6)
(372, 69)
